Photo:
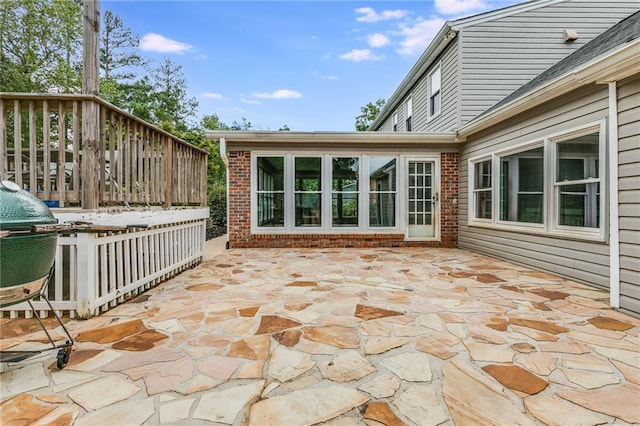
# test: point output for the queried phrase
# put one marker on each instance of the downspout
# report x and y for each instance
(225, 160)
(614, 224)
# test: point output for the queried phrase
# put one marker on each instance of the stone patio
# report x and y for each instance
(339, 337)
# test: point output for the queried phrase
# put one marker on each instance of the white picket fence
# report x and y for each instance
(95, 272)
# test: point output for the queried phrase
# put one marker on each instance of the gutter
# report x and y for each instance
(613, 66)
(225, 160)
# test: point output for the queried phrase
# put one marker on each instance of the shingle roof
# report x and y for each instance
(623, 32)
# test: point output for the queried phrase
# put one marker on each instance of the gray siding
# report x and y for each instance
(629, 192)
(502, 55)
(582, 261)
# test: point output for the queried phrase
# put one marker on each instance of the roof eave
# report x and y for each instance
(331, 138)
(614, 66)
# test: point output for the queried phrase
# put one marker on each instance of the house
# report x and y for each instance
(498, 140)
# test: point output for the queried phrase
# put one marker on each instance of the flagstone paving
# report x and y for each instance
(290, 337)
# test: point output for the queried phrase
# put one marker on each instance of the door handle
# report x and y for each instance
(435, 197)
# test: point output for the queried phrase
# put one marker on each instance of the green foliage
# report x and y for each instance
(217, 198)
(368, 114)
(119, 56)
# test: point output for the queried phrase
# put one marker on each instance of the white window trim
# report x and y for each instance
(471, 211)
(430, 114)
(408, 105)
(550, 226)
(327, 222)
(394, 122)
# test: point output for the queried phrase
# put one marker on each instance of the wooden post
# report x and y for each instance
(90, 108)
(168, 172)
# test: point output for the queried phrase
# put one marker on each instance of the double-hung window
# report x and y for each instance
(395, 121)
(382, 191)
(482, 195)
(308, 191)
(435, 91)
(270, 192)
(551, 186)
(409, 111)
(345, 191)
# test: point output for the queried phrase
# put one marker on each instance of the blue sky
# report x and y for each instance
(308, 64)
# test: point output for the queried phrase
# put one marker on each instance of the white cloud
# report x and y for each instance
(200, 57)
(158, 43)
(250, 101)
(416, 37)
(359, 55)
(378, 40)
(212, 95)
(454, 7)
(278, 94)
(370, 15)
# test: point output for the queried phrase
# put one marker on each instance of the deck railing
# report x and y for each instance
(133, 164)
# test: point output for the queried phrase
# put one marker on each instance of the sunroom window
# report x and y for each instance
(522, 186)
(345, 191)
(482, 196)
(270, 191)
(577, 183)
(308, 191)
(382, 191)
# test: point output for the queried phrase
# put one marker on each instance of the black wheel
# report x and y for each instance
(63, 358)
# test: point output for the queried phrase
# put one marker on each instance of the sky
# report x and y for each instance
(308, 64)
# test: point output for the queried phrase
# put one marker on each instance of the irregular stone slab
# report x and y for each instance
(632, 374)
(412, 367)
(219, 367)
(22, 380)
(488, 279)
(306, 407)
(224, 406)
(590, 379)
(140, 342)
(103, 392)
(552, 410)
(538, 335)
(22, 410)
(566, 347)
(132, 412)
(112, 333)
(549, 294)
(334, 335)
(346, 367)
(499, 324)
(371, 312)
(248, 312)
(204, 287)
(587, 362)
(286, 364)
(420, 404)
(382, 386)
(201, 383)
(523, 347)
(378, 345)
(547, 327)
(431, 346)
(255, 348)
(273, 324)
(176, 410)
(486, 334)
(288, 338)
(631, 358)
(62, 416)
(51, 399)
(382, 413)
(488, 352)
(302, 284)
(472, 398)
(592, 339)
(539, 362)
(616, 401)
(516, 378)
(64, 379)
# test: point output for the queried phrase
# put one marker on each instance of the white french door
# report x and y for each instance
(422, 199)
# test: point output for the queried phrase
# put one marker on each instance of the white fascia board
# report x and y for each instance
(620, 63)
(332, 138)
(502, 13)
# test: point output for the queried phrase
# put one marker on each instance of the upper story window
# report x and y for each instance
(552, 186)
(409, 109)
(395, 121)
(435, 91)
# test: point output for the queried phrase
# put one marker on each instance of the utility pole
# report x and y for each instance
(90, 108)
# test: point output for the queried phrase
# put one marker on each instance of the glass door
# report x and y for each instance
(422, 197)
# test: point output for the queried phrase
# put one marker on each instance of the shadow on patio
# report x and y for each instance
(343, 336)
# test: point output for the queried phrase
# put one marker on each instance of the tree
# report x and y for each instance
(284, 128)
(369, 112)
(118, 49)
(171, 106)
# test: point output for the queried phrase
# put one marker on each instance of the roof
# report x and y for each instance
(611, 56)
(444, 37)
(352, 138)
(623, 32)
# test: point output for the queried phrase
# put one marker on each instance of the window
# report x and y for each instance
(482, 189)
(345, 191)
(435, 96)
(270, 191)
(409, 109)
(577, 183)
(553, 186)
(382, 191)
(522, 186)
(308, 191)
(395, 121)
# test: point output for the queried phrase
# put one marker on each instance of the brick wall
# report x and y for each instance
(239, 220)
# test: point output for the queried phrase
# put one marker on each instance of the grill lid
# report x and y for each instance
(20, 209)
